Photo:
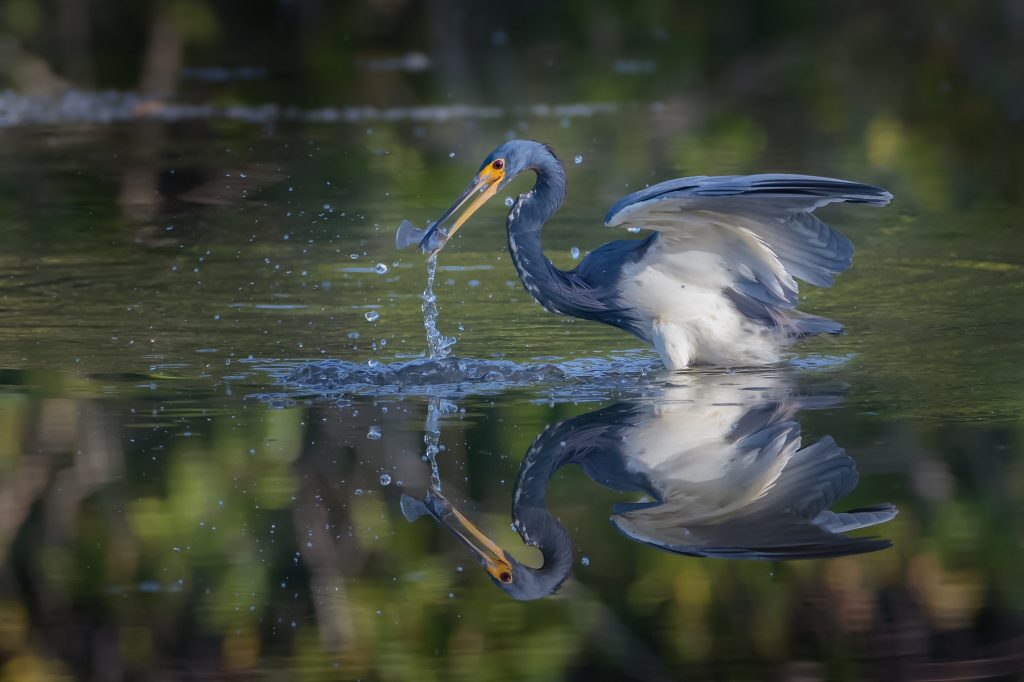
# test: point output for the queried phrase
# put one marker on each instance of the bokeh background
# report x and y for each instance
(194, 196)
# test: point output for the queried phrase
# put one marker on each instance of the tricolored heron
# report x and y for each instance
(716, 282)
(721, 463)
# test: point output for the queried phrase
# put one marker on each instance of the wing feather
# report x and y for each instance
(762, 228)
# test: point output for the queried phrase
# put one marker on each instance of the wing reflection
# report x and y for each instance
(722, 470)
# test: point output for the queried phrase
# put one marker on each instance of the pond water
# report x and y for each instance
(219, 430)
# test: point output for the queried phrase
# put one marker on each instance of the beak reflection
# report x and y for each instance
(487, 552)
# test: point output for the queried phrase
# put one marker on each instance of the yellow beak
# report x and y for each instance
(484, 186)
(489, 553)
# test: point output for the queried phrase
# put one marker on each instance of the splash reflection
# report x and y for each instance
(436, 408)
(722, 470)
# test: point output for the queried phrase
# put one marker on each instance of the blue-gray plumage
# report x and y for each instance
(716, 281)
(722, 469)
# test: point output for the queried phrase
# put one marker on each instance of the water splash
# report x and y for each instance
(439, 345)
(436, 408)
(452, 377)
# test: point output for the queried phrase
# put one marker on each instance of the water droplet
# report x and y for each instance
(373, 433)
(509, 201)
(353, 335)
(585, 561)
(371, 315)
(578, 159)
(385, 479)
(359, 492)
(380, 268)
(634, 230)
(451, 155)
(575, 253)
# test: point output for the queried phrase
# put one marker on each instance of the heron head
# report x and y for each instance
(515, 579)
(498, 169)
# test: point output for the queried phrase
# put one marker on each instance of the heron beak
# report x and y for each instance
(484, 187)
(491, 556)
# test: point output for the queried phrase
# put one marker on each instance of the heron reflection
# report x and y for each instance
(721, 469)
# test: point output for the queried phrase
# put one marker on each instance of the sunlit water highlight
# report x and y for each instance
(111, 107)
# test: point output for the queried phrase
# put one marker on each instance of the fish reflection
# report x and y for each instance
(720, 463)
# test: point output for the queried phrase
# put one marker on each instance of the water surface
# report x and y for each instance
(204, 439)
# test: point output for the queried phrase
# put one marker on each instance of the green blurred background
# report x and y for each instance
(194, 195)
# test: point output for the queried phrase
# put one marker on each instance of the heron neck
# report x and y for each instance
(539, 276)
(530, 515)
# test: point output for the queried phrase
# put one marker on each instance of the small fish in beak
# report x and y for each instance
(431, 240)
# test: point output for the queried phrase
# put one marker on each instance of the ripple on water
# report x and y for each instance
(580, 379)
(340, 375)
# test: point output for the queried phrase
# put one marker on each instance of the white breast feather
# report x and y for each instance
(679, 289)
(688, 440)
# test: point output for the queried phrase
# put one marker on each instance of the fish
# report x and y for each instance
(428, 239)
(433, 505)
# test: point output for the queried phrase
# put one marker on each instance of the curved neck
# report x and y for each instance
(539, 276)
(530, 515)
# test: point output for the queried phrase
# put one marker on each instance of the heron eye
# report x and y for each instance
(498, 164)
(505, 577)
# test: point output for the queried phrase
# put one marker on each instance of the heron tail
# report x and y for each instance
(792, 322)
(809, 325)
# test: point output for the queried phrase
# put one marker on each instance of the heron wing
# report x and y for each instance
(789, 519)
(781, 538)
(814, 478)
(760, 227)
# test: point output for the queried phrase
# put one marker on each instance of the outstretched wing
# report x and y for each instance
(758, 231)
(788, 520)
